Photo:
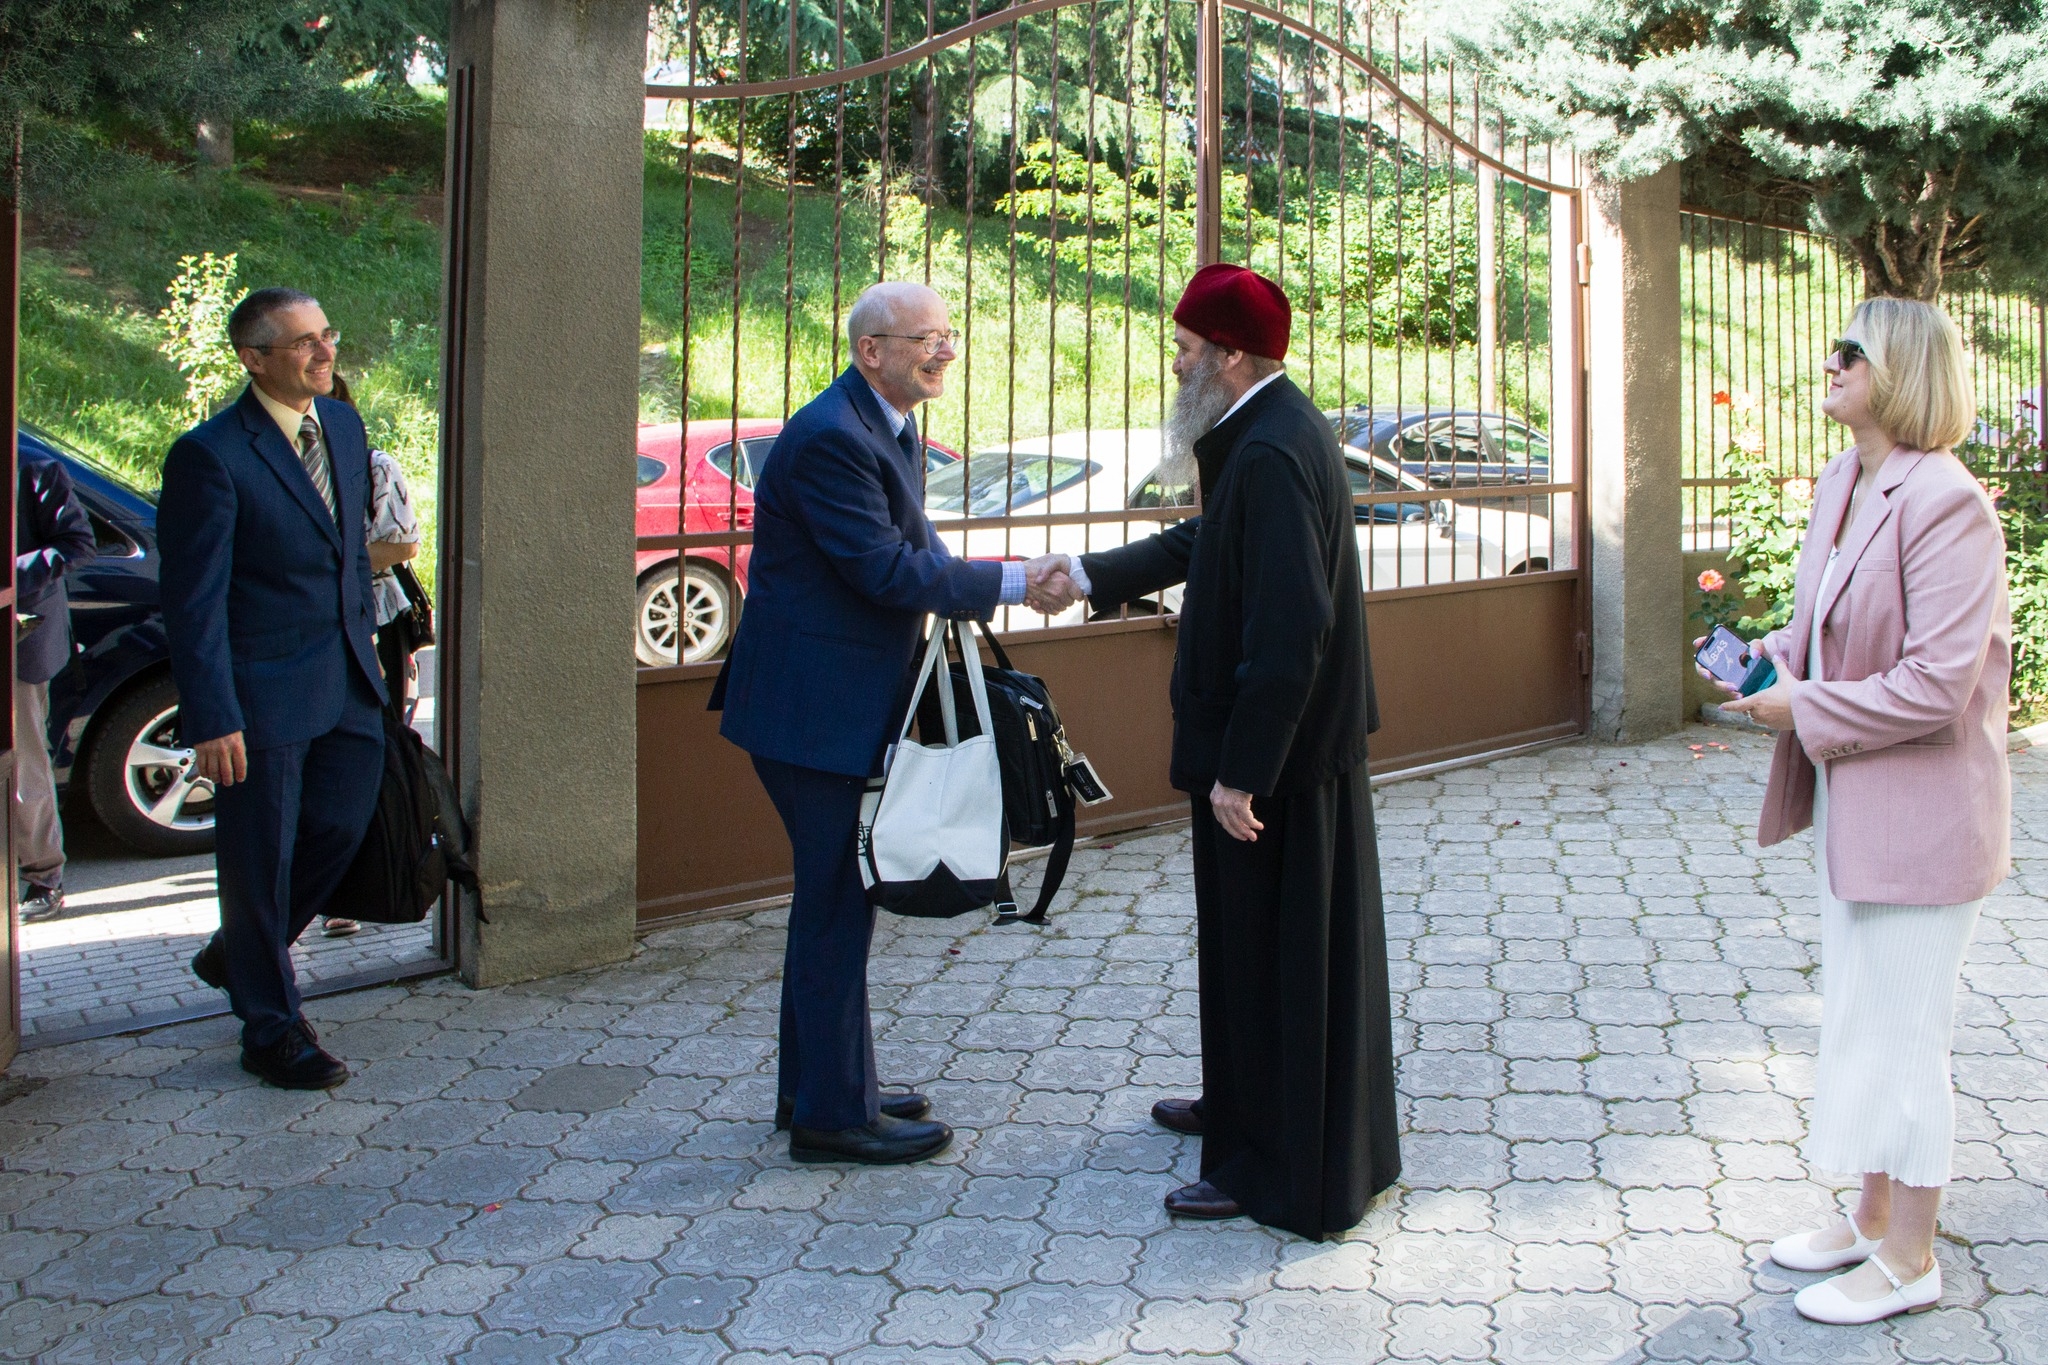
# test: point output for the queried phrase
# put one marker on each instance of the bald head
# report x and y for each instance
(881, 307)
(884, 327)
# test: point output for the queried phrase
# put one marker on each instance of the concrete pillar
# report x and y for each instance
(1633, 428)
(545, 156)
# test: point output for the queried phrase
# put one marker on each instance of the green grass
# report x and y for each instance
(1056, 352)
(90, 369)
(1029, 365)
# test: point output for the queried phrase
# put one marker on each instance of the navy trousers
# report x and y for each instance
(828, 1043)
(282, 839)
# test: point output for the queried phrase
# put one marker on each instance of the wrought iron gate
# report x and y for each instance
(1057, 168)
(1763, 303)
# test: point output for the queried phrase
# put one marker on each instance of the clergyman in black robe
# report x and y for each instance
(1272, 699)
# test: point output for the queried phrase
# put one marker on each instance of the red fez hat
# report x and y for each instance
(1238, 309)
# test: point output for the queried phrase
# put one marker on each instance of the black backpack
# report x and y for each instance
(417, 841)
(1031, 745)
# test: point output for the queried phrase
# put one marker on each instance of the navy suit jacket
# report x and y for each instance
(265, 599)
(845, 567)
(51, 535)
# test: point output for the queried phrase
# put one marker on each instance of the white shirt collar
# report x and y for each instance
(894, 418)
(1246, 397)
(288, 420)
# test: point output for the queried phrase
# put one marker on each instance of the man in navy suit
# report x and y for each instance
(846, 565)
(266, 599)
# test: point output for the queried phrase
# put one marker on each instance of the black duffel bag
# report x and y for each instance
(417, 840)
(1038, 791)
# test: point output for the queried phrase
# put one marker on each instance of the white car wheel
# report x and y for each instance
(691, 611)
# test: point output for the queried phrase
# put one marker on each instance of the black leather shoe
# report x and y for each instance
(1202, 1200)
(903, 1105)
(885, 1142)
(295, 1062)
(1182, 1116)
(41, 903)
(210, 964)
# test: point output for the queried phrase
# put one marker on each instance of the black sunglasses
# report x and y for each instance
(1850, 352)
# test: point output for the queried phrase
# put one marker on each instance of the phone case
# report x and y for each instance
(1762, 674)
(1725, 656)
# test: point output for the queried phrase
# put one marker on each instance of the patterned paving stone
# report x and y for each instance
(1605, 1022)
(1305, 1327)
(145, 1330)
(1040, 1322)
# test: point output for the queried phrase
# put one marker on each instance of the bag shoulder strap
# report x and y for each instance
(935, 646)
(1049, 886)
(995, 647)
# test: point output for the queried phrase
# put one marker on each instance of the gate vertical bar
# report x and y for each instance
(449, 664)
(1208, 132)
(10, 365)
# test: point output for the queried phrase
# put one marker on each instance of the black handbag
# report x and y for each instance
(416, 843)
(1043, 779)
(421, 630)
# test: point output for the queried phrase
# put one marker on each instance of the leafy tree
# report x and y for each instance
(203, 63)
(195, 330)
(1915, 131)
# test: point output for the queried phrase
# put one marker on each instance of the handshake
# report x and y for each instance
(1049, 586)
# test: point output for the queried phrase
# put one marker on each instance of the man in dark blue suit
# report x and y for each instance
(845, 568)
(266, 599)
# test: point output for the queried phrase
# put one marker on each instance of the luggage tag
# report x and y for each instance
(1085, 782)
(1082, 780)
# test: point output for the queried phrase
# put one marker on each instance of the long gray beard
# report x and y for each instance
(1197, 408)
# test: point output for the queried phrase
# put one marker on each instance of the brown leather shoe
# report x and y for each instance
(1202, 1200)
(1182, 1116)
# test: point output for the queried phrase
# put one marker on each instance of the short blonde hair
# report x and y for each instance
(1920, 390)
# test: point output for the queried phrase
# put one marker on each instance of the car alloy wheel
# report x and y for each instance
(140, 775)
(692, 611)
(163, 780)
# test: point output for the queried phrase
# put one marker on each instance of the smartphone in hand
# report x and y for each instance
(1727, 657)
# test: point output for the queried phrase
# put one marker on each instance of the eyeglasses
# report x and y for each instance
(931, 341)
(304, 345)
(1850, 352)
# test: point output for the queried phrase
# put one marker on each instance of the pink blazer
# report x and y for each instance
(1909, 712)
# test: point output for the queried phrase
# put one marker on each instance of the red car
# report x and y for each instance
(697, 607)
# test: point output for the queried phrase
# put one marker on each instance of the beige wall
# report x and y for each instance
(1633, 460)
(548, 341)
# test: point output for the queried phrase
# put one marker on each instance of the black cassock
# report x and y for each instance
(1272, 694)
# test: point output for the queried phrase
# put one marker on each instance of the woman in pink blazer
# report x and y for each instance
(1891, 710)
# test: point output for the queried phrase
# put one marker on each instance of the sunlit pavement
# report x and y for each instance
(120, 953)
(1607, 1020)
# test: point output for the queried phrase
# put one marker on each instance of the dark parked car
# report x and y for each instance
(114, 709)
(1449, 447)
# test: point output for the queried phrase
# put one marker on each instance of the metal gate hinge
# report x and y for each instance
(1585, 655)
(1585, 263)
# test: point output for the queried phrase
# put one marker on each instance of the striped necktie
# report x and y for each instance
(313, 455)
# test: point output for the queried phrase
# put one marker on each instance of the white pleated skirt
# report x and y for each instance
(1884, 1101)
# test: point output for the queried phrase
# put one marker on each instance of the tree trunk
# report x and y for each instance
(1908, 259)
(925, 172)
(216, 139)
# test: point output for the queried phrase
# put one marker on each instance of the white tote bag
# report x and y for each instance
(932, 839)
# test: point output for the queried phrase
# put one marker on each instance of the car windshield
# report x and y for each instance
(995, 487)
(97, 466)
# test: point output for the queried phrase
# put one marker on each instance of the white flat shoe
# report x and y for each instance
(1823, 1302)
(1797, 1252)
